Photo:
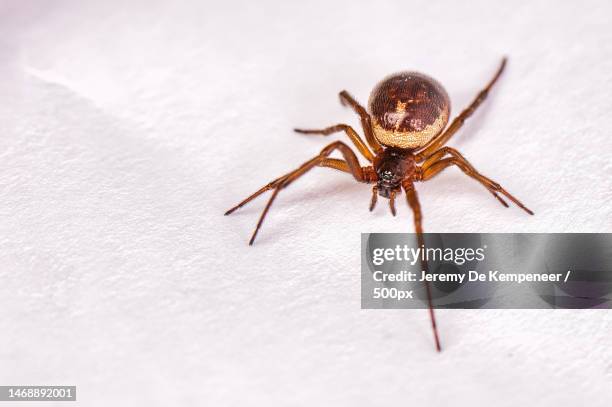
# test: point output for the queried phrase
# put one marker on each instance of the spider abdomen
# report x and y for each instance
(408, 109)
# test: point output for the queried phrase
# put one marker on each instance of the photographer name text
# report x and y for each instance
(471, 276)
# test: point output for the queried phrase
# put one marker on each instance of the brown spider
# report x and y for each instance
(408, 113)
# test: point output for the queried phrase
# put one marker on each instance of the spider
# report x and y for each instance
(405, 129)
(408, 112)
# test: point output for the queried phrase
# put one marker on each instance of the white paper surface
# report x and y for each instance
(128, 128)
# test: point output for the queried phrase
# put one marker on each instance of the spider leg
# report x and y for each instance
(350, 132)
(351, 165)
(340, 165)
(413, 201)
(263, 189)
(443, 138)
(436, 156)
(336, 164)
(434, 167)
(374, 198)
(392, 202)
(366, 121)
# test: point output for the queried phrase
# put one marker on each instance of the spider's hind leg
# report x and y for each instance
(442, 138)
(350, 132)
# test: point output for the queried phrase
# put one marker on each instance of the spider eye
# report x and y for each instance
(387, 175)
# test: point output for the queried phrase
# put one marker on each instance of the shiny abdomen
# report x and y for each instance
(408, 109)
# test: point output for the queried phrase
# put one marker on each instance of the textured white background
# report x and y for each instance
(128, 128)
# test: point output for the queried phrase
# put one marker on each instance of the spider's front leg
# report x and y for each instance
(413, 201)
(350, 164)
(435, 163)
(441, 153)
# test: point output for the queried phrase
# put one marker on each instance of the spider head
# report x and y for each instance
(388, 181)
(391, 169)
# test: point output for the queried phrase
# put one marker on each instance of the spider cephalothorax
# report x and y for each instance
(392, 167)
(405, 130)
